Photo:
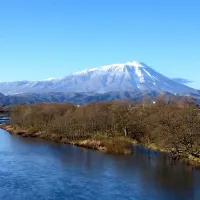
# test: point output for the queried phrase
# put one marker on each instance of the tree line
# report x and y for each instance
(166, 122)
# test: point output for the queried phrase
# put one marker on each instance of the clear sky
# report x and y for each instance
(42, 39)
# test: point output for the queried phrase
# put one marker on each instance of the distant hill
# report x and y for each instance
(78, 98)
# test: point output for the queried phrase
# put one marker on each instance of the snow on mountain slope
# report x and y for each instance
(117, 77)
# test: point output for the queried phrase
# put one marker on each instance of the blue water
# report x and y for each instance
(34, 169)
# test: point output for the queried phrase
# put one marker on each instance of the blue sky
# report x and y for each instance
(41, 39)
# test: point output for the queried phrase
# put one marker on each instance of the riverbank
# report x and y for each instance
(118, 145)
(184, 157)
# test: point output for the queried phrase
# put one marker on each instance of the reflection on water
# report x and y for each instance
(35, 169)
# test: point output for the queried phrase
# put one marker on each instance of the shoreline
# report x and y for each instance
(104, 144)
(99, 143)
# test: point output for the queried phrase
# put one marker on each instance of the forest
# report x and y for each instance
(165, 124)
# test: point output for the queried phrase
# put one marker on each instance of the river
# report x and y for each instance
(32, 169)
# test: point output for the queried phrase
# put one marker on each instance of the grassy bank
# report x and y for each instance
(118, 145)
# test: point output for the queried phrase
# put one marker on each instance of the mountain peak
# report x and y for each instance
(135, 64)
(113, 67)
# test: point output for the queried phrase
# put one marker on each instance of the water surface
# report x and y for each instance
(35, 169)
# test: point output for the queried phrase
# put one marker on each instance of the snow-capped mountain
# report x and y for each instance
(129, 76)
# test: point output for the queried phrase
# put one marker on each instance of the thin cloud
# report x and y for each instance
(182, 80)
